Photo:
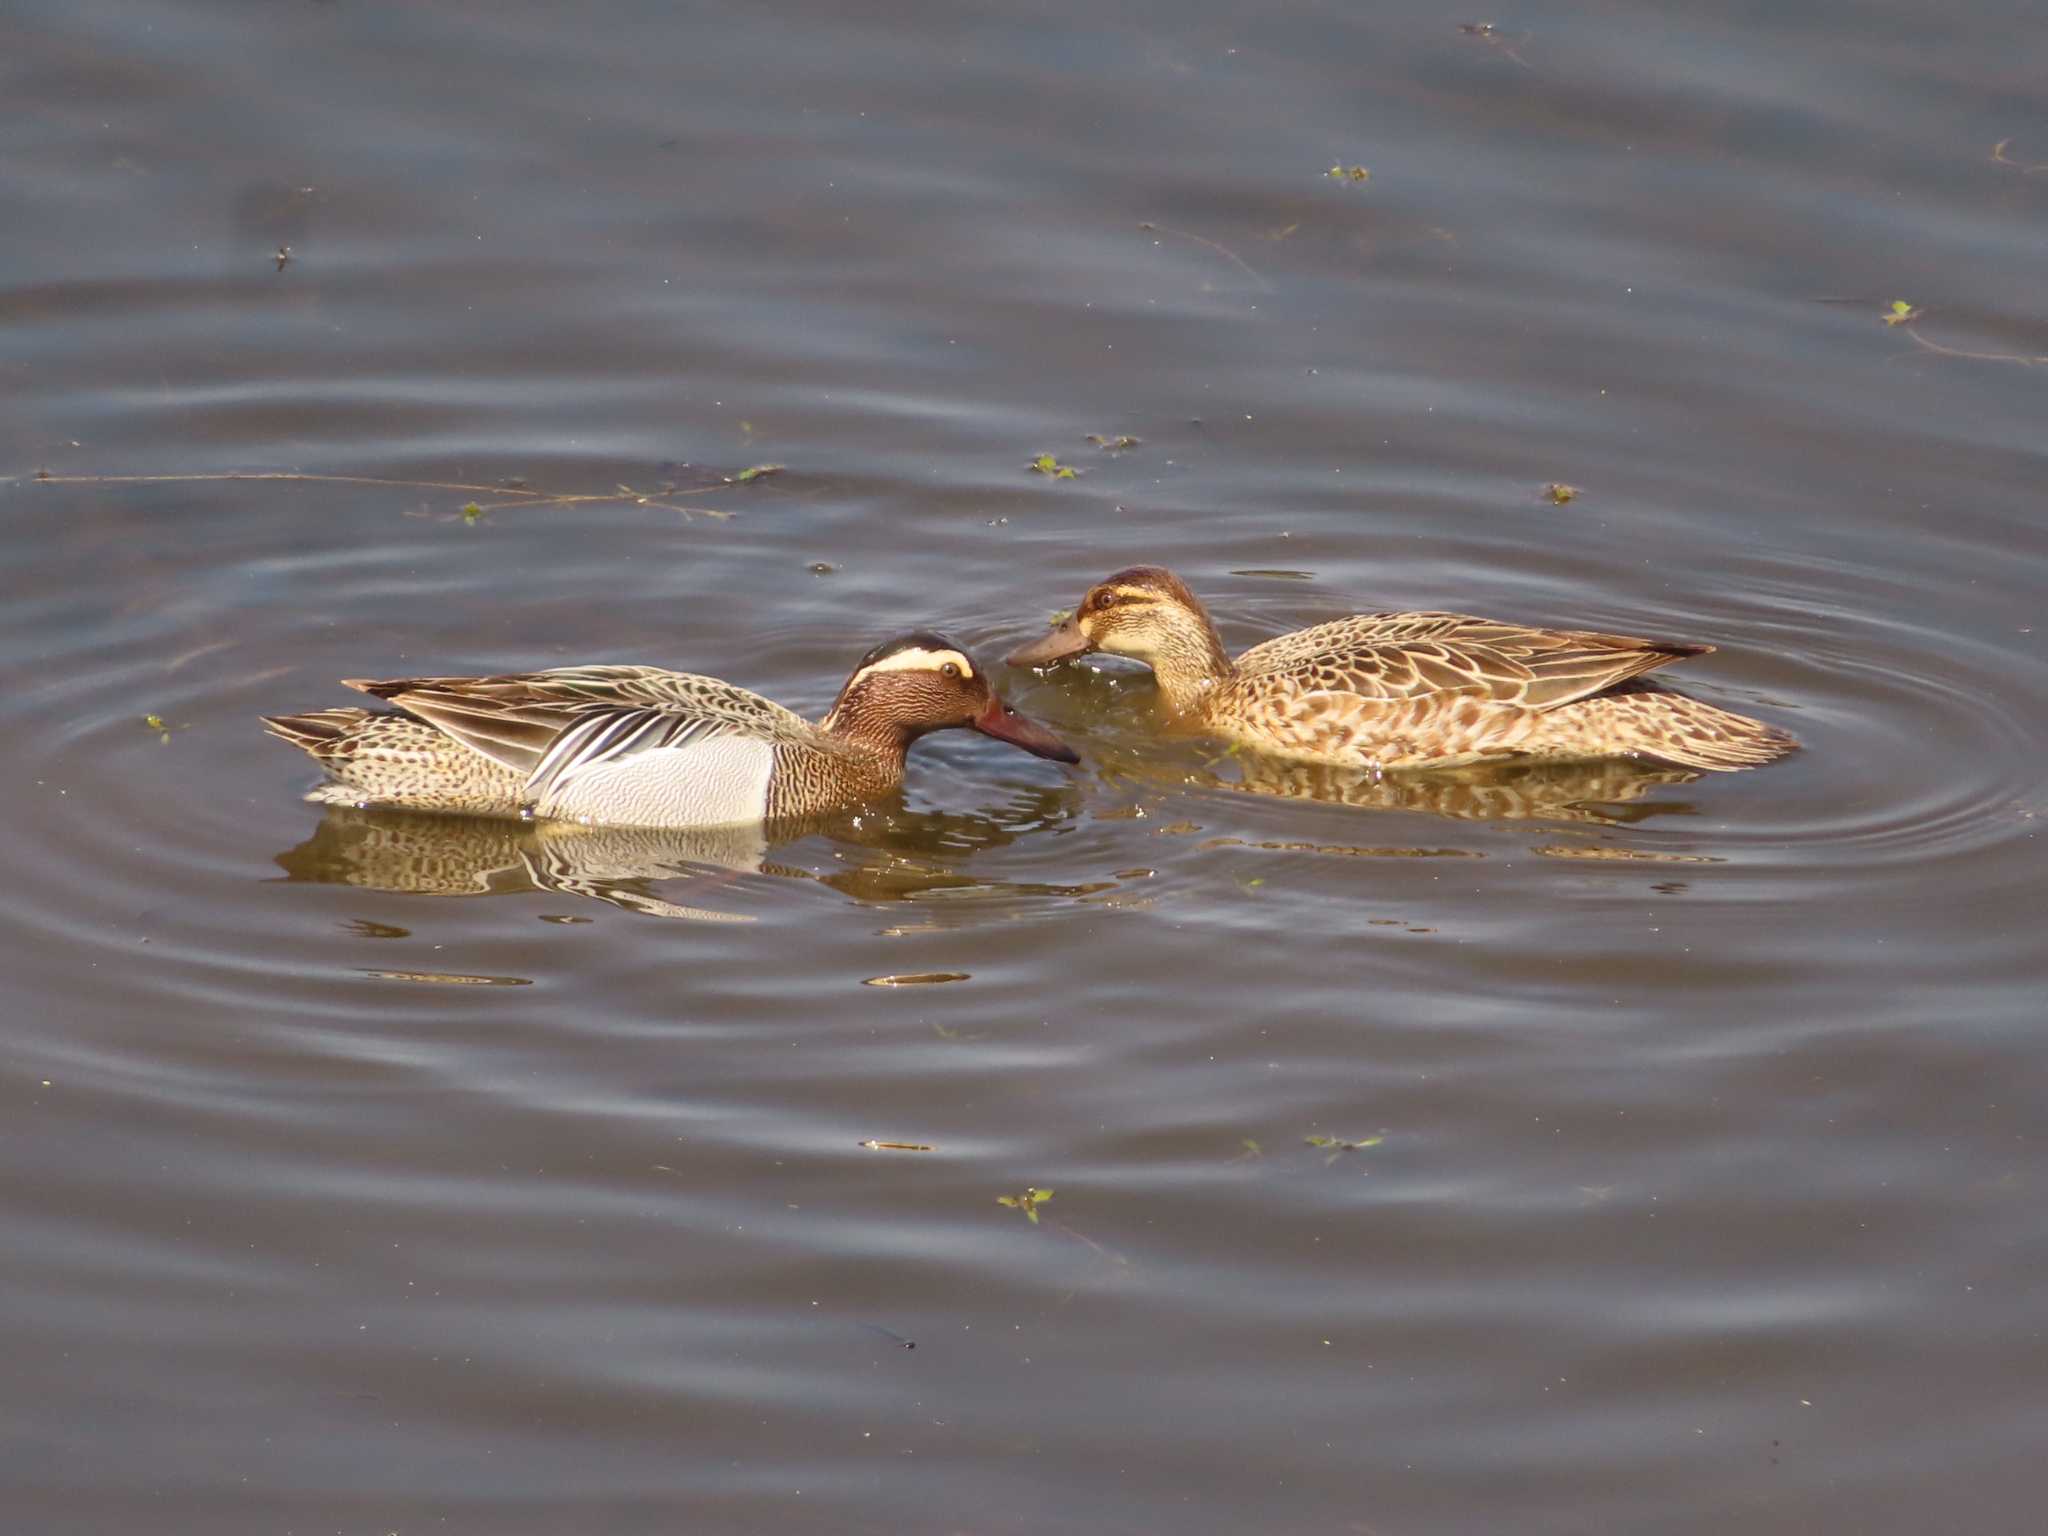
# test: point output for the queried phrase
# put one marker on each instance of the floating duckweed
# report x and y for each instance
(1349, 173)
(1337, 1146)
(1046, 464)
(1558, 493)
(1028, 1202)
(756, 472)
(1116, 444)
(1901, 313)
(471, 512)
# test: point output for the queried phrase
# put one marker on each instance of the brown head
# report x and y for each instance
(921, 682)
(1144, 612)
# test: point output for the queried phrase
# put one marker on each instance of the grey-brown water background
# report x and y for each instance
(1710, 1187)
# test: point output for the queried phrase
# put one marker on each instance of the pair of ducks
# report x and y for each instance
(642, 746)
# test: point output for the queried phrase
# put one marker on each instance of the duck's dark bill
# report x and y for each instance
(1065, 640)
(1005, 724)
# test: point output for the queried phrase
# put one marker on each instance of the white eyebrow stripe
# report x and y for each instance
(917, 659)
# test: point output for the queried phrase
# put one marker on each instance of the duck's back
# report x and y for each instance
(1436, 689)
(625, 745)
(1413, 655)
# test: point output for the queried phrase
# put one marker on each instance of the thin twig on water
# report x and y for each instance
(1215, 245)
(2025, 168)
(518, 497)
(1983, 357)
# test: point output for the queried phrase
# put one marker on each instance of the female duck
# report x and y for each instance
(1409, 690)
(641, 746)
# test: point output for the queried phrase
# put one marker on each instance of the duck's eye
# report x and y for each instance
(950, 669)
(1104, 600)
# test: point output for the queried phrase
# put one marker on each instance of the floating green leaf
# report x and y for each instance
(1901, 313)
(756, 472)
(1028, 1202)
(471, 513)
(1349, 173)
(1046, 464)
(1116, 444)
(1558, 493)
(1337, 1146)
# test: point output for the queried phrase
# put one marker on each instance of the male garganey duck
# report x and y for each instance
(641, 746)
(1409, 690)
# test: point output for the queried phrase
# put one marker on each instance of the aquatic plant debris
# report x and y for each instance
(918, 979)
(471, 512)
(1046, 464)
(1118, 444)
(896, 1146)
(449, 978)
(1906, 316)
(1337, 1146)
(2025, 168)
(1217, 246)
(1492, 36)
(1353, 173)
(1028, 1202)
(1558, 493)
(522, 495)
(755, 472)
(156, 723)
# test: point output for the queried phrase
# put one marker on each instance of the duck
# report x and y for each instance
(1409, 690)
(628, 745)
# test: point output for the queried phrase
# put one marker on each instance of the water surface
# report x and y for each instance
(1706, 1187)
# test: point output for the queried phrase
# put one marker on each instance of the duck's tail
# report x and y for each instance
(395, 760)
(320, 732)
(1647, 721)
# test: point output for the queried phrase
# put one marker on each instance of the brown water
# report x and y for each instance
(1709, 1193)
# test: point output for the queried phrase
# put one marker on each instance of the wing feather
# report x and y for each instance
(1386, 656)
(549, 726)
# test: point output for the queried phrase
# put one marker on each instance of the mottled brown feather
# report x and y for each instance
(1423, 689)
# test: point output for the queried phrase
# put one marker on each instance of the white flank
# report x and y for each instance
(705, 782)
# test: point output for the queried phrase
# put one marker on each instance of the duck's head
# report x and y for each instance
(1143, 612)
(921, 682)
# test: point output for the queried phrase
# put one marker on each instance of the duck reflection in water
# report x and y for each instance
(1608, 792)
(884, 853)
